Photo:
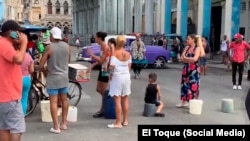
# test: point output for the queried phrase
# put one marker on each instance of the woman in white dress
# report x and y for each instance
(120, 82)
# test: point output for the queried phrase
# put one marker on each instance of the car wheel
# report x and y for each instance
(160, 63)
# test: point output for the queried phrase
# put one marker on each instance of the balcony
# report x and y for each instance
(57, 16)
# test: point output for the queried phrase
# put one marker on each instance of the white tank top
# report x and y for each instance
(223, 45)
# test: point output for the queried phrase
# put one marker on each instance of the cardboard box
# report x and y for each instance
(79, 73)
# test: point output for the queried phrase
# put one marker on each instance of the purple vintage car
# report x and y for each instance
(156, 56)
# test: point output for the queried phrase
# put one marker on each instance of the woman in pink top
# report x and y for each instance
(27, 68)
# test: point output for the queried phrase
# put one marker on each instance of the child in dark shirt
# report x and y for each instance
(153, 94)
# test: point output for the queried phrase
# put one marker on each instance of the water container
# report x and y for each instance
(109, 106)
(149, 110)
(72, 114)
(195, 106)
(45, 111)
(227, 105)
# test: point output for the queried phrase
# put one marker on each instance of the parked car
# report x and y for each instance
(156, 56)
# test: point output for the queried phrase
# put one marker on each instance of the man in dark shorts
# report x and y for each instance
(12, 123)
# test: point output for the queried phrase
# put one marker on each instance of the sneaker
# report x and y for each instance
(234, 87)
(182, 104)
(239, 87)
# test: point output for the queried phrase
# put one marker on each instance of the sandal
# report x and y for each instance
(52, 130)
(63, 127)
(114, 126)
(125, 123)
(98, 115)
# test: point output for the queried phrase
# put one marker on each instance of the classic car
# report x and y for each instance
(156, 56)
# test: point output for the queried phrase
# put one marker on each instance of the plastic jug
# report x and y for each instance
(195, 106)
(72, 114)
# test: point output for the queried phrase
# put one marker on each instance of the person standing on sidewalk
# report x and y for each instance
(238, 59)
(12, 123)
(57, 56)
(224, 48)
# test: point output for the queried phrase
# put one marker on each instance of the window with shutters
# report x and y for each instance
(243, 7)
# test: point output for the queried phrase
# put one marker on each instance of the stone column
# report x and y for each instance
(53, 10)
(61, 9)
(121, 17)
(149, 16)
(247, 36)
(85, 17)
(95, 21)
(70, 10)
(182, 17)
(157, 16)
(204, 8)
(138, 15)
(102, 15)
(74, 24)
(128, 16)
(162, 15)
(232, 17)
(111, 18)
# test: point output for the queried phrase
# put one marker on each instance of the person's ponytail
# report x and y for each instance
(200, 45)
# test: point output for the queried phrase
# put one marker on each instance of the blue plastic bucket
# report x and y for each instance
(109, 106)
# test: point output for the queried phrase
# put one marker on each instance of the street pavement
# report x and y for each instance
(214, 87)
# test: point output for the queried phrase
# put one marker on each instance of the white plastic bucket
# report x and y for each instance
(45, 111)
(195, 107)
(72, 114)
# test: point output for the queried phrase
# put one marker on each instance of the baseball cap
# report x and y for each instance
(10, 25)
(56, 33)
(238, 36)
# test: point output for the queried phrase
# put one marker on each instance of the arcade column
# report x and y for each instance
(204, 14)
(149, 16)
(128, 16)
(138, 16)
(182, 17)
(232, 17)
(121, 17)
(168, 17)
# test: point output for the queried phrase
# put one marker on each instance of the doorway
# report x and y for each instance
(216, 15)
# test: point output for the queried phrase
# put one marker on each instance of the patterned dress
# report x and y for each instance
(190, 80)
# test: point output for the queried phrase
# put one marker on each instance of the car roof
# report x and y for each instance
(115, 36)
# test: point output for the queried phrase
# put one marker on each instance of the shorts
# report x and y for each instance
(11, 117)
(203, 61)
(101, 78)
(156, 102)
(58, 91)
(120, 86)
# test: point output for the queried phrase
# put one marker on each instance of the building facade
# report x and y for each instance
(57, 13)
(2, 6)
(33, 11)
(14, 10)
(118, 16)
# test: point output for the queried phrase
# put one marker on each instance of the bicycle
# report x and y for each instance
(38, 93)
